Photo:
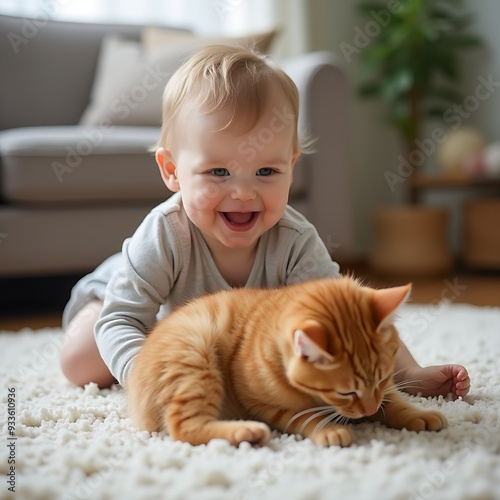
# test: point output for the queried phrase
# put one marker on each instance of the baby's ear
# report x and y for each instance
(312, 350)
(167, 168)
(386, 302)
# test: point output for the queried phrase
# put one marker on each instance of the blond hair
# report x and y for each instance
(226, 77)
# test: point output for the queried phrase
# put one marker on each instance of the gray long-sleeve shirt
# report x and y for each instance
(167, 262)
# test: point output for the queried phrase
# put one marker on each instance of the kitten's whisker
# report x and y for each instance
(330, 418)
(391, 389)
(409, 383)
(394, 374)
(337, 418)
(382, 408)
(304, 412)
(408, 380)
(386, 398)
(342, 420)
(327, 411)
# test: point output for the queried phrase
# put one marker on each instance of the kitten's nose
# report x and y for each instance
(369, 407)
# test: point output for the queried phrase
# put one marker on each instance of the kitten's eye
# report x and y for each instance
(347, 394)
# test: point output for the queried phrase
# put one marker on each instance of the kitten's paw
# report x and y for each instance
(426, 421)
(233, 431)
(333, 436)
(255, 433)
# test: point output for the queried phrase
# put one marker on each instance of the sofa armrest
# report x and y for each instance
(324, 116)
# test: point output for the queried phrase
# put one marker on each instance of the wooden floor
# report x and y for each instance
(34, 321)
(479, 289)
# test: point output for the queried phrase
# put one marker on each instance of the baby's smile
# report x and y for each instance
(239, 221)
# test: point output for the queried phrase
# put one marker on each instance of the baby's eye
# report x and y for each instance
(219, 172)
(265, 171)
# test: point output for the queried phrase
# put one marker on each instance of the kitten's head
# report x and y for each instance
(342, 343)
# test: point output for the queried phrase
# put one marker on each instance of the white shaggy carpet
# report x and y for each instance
(74, 443)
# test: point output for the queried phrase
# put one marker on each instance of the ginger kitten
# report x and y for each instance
(302, 359)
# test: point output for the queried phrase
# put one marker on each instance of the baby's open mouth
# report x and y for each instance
(240, 221)
(239, 218)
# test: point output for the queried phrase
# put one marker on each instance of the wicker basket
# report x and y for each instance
(481, 234)
(411, 241)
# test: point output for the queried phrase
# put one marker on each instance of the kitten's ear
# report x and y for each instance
(386, 302)
(305, 347)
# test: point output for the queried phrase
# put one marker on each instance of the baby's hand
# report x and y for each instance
(437, 381)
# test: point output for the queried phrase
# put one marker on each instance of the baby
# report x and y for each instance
(227, 225)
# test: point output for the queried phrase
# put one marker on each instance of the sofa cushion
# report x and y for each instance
(131, 76)
(51, 67)
(75, 163)
(75, 239)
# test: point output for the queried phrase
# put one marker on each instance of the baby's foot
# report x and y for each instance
(435, 380)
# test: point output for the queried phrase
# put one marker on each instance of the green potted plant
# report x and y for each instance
(413, 63)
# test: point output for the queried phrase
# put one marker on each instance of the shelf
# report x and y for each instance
(423, 181)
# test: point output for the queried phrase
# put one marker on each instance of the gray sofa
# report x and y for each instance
(70, 193)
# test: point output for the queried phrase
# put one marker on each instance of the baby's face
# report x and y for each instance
(235, 184)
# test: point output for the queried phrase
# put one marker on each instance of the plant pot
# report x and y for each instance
(481, 237)
(411, 241)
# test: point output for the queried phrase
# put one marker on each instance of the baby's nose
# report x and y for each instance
(243, 191)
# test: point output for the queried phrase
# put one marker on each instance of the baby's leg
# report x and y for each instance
(81, 361)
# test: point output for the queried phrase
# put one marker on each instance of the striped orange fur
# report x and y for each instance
(305, 359)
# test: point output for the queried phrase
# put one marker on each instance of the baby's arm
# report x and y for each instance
(118, 336)
(134, 295)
